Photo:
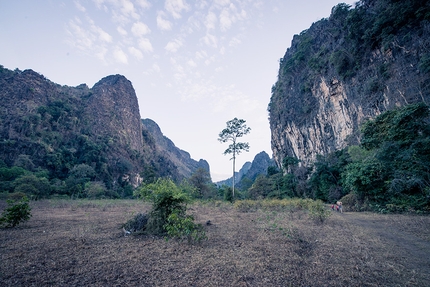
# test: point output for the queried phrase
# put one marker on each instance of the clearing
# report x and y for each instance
(81, 243)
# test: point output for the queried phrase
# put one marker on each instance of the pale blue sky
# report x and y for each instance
(194, 64)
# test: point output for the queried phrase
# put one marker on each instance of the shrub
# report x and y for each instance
(95, 189)
(350, 202)
(168, 213)
(182, 227)
(318, 211)
(16, 196)
(228, 194)
(137, 223)
(15, 213)
(166, 198)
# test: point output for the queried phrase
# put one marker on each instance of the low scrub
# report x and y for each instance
(15, 213)
(317, 210)
(168, 215)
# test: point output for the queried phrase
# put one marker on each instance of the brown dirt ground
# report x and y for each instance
(81, 243)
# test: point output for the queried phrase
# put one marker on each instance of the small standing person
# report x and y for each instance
(339, 203)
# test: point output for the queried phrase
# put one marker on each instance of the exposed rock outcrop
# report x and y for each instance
(182, 159)
(59, 127)
(346, 69)
(113, 111)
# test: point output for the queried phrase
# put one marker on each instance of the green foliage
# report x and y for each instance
(228, 194)
(350, 202)
(235, 129)
(366, 179)
(325, 180)
(288, 162)
(260, 188)
(33, 186)
(15, 213)
(318, 211)
(137, 224)
(95, 189)
(201, 180)
(182, 227)
(395, 168)
(166, 198)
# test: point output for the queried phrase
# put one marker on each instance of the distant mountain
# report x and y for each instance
(238, 175)
(60, 128)
(182, 159)
(250, 171)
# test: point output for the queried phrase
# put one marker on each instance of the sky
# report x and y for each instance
(194, 64)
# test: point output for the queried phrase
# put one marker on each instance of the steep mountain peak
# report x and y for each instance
(186, 165)
(114, 108)
(346, 69)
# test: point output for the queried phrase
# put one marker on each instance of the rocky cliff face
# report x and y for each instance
(346, 69)
(113, 111)
(182, 159)
(60, 127)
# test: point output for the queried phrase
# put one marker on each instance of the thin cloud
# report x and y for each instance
(210, 21)
(162, 23)
(191, 63)
(234, 42)
(102, 35)
(122, 31)
(101, 54)
(173, 46)
(201, 54)
(135, 52)
(222, 2)
(143, 4)
(210, 40)
(79, 6)
(140, 29)
(120, 56)
(225, 20)
(127, 8)
(80, 37)
(175, 7)
(145, 45)
(156, 67)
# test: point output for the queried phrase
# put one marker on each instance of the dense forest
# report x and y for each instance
(389, 171)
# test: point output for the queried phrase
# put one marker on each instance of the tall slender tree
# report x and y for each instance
(235, 129)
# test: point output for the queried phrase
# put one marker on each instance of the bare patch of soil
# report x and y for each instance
(81, 243)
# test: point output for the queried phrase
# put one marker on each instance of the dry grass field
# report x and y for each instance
(81, 243)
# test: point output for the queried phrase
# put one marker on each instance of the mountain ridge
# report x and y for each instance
(60, 128)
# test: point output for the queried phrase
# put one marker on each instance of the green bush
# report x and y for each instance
(182, 227)
(350, 202)
(15, 213)
(168, 213)
(137, 224)
(318, 211)
(228, 194)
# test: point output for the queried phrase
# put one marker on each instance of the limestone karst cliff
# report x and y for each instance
(346, 69)
(182, 159)
(80, 132)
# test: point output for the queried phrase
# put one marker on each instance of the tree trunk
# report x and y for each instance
(234, 174)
